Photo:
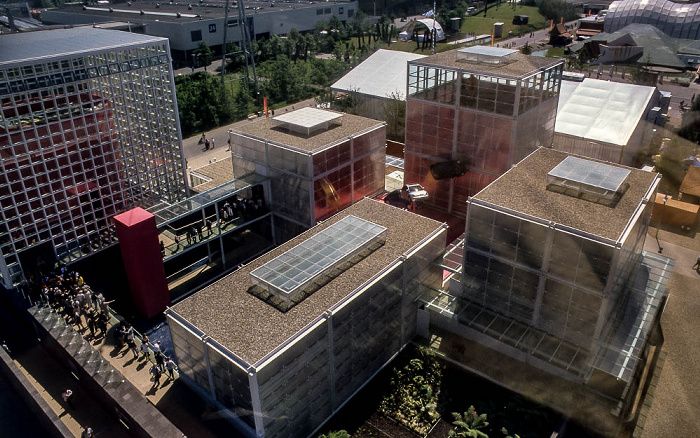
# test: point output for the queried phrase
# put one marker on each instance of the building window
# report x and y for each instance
(319, 11)
(351, 12)
(341, 10)
(196, 35)
(212, 28)
(327, 11)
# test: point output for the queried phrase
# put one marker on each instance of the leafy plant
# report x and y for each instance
(336, 434)
(414, 393)
(468, 424)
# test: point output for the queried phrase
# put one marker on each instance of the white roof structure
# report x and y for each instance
(430, 24)
(308, 119)
(380, 75)
(601, 111)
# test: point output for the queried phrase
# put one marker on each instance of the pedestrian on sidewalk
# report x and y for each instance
(68, 398)
(144, 346)
(5, 347)
(696, 266)
(130, 340)
(155, 375)
(160, 361)
(171, 366)
(87, 432)
(213, 143)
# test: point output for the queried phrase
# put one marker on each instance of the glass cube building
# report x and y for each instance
(485, 107)
(318, 162)
(278, 371)
(554, 272)
(89, 128)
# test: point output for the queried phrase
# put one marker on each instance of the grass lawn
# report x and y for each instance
(504, 13)
(555, 52)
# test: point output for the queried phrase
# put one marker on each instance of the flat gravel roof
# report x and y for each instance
(524, 189)
(251, 328)
(522, 65)
(270, 129)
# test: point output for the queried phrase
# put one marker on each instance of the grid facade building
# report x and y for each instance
(286, 372)
(485, 107)
(89, 128)
(554, 274)
(315, 173)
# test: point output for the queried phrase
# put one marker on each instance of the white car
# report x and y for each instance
(416, 192)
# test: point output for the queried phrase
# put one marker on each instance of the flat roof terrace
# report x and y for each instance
(524, 189)
(251, 328)
(272, 130)
(518, 66)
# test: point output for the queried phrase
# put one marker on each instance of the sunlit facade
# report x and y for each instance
(487, 111)
(312, 175)
(88, 129)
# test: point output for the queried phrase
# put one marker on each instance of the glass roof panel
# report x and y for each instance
(290, 273)
(591, 173)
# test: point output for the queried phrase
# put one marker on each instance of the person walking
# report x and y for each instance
(144, 346)
(171, 366)
(131, 341)
(213, 142)
(155, 376)
(68, 398)
(696, 266)
(160, 361)
(87, 432)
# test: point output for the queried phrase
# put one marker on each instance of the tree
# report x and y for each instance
(526, 49)
(556, 9)
(467, 425)
(395, 115)
(203, 54)
(203, 103)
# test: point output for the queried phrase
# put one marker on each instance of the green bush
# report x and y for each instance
(414, 393)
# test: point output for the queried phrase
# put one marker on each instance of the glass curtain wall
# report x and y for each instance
(82, 139)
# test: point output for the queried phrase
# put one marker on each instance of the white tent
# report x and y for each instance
(429, 23)
(380, 75)
(602, 119)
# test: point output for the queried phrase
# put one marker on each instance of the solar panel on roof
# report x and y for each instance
(287, 275)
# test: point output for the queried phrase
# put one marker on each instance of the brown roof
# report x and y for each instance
(268, 129)
(522, 66)
(219, 173)
(691, 182)
(524, 189)
(252, 328)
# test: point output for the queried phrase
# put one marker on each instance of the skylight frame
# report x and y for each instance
(589, 177)
(307, 120)
(290, 274)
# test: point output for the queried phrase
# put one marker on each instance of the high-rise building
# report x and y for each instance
(471, 114)
(89, 128)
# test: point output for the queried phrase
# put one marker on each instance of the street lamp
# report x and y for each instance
(658, 225)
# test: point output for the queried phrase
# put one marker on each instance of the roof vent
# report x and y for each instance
(487, 55)
(308, 120)
(590, 180)
(290, 277)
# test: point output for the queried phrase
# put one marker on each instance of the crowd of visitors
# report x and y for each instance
(88, 311)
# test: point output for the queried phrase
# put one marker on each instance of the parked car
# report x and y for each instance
(410, 193)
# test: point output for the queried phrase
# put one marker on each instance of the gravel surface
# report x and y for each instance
(522, 64)
(251, 328)
(268, 129)
(524, 189)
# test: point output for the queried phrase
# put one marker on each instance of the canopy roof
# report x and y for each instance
(380, 75)
(602, 111)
